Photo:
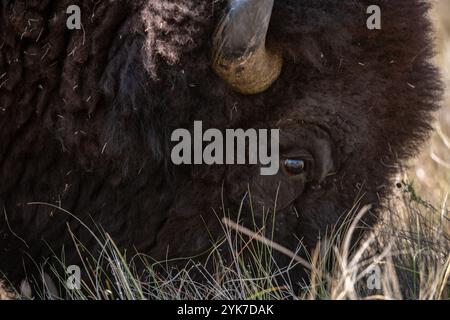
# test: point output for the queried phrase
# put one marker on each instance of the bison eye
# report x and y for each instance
(294, 167)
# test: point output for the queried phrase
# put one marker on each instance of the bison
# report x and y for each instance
(86, 118)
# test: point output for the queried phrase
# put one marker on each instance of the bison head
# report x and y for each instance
(351, 103)
(87, 115)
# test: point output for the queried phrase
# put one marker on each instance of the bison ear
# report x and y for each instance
(240, 56)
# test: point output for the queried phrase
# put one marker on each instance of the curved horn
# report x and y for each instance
(240, 56)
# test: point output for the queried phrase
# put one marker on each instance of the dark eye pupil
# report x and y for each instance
(294, 166)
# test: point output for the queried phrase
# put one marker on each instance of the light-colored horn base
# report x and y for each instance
(251, 74)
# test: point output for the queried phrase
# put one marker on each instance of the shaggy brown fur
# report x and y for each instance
(86, 118)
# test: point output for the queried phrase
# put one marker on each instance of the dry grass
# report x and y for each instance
(406, 257)
(6, 294)
(432, 168)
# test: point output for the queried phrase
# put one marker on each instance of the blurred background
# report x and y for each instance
(431, 170)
